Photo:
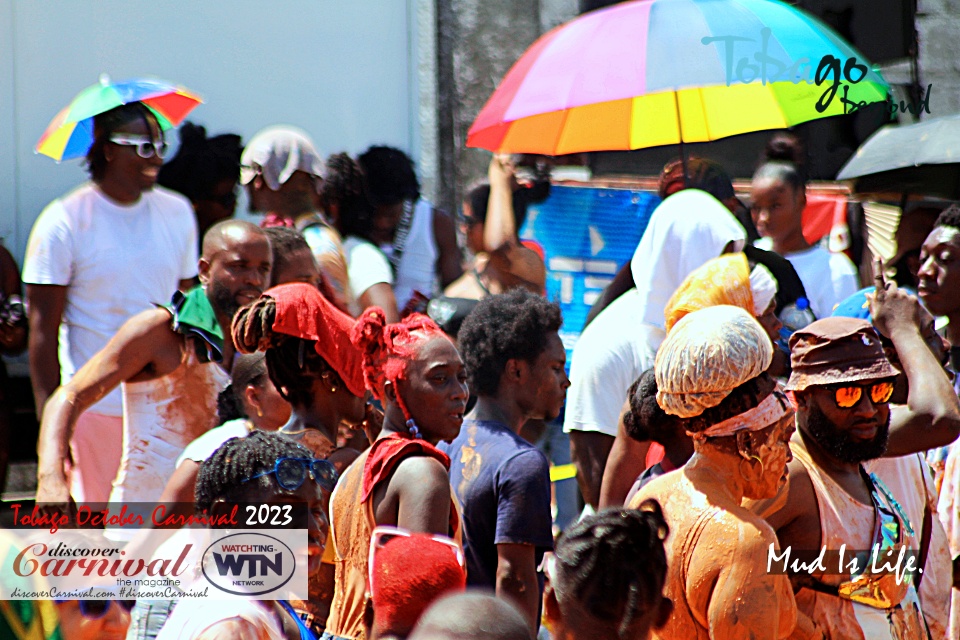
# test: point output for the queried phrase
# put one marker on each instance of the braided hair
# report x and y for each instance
(613, 564)
(388, 348)
(293, 364)
(223, 475)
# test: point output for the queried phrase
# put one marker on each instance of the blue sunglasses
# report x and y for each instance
(291, 473)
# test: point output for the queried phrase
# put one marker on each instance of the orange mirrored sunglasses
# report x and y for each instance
(848, 395)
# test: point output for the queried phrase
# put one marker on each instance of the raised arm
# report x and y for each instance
(500, 227)
(931, 417)
(132, 351)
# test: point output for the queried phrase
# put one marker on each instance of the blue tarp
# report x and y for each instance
(587, 234)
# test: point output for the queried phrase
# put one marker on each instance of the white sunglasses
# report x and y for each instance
(146, 147)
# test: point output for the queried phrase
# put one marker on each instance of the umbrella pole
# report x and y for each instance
(683, 158)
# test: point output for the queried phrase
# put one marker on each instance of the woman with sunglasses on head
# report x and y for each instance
(315, 367)
(407, 572)
(264, 468)
(402, 480)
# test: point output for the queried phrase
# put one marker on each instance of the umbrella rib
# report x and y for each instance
(563, 126)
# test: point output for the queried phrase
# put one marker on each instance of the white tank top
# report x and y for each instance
(844, 520)
(417, 270)
(160, 418)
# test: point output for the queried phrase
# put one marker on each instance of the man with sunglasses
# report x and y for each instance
(108, 250)
(848, 433)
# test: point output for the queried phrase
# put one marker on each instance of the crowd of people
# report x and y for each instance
(346, 355)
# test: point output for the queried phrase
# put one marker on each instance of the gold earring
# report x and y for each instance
(259, 412)
(333, 389)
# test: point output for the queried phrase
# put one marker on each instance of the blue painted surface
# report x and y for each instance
(587, 234)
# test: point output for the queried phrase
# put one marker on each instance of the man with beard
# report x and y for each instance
(843, 384)
(171, 363)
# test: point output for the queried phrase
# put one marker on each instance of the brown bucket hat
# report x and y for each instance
(836, 350)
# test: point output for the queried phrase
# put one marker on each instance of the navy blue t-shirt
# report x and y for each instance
(503, 485)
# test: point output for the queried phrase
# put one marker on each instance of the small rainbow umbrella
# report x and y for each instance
(70, 134)
(655, 72)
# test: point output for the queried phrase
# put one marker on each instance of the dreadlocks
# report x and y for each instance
(613, 564)
(293, 364)
(223, 475)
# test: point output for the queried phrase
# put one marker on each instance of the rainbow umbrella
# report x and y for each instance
(655, 72)
(70, 134)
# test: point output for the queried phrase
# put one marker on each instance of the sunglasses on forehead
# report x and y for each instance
(384, 534)
(146, 146)
(847, 395)
(291, 473)
(95, 609)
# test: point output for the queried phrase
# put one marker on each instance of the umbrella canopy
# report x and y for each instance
(654, 72)
(70, 133)
(922, 158)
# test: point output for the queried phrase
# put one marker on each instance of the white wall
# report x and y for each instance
(343, 70)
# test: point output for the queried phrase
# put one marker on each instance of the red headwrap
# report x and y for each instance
(387, 348)
(410, 573)
(302, 312)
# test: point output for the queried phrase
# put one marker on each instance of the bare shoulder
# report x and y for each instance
(797, 523)
(152, 325)
(420, 469)
(232, 629)
(794, 498)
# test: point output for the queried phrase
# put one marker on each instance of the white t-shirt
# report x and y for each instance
(610, 354)
(366, 265)
(205, 446)
(829, 278)
(417, 270)
(116, 261)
